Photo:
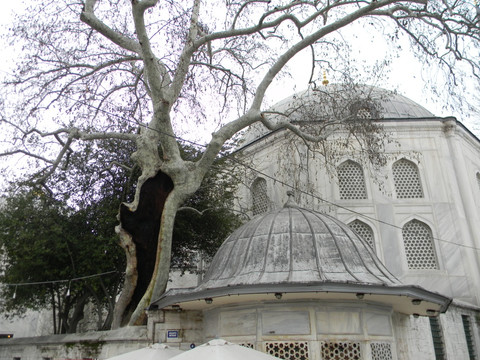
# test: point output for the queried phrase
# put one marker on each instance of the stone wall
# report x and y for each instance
(182, 329)
(414, 340)
(92, 345)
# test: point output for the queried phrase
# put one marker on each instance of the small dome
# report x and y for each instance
(296, 254)
(295, 245)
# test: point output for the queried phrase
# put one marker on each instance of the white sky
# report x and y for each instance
(406, 73)
(6, 18)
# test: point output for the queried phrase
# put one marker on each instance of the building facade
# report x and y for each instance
(342, 258)
(419, 210)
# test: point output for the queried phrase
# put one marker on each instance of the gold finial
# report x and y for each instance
(325, 81)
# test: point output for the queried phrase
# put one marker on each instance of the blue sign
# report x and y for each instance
(172, 334)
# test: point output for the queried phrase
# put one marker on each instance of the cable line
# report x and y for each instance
(60, 281)
(230, 156)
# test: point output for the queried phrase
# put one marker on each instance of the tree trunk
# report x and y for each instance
(54, 310)
(160, 275)
(77, 315)
(139, 234)
(131, 276)
(107, 323)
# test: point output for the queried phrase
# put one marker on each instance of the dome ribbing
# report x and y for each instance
(294, 245)
(294, 253)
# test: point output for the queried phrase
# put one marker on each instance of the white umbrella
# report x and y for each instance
(152, 352)
(219, 349)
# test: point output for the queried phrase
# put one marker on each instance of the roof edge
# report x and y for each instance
(178, 296)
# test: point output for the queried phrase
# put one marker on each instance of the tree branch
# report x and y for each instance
(89, 18)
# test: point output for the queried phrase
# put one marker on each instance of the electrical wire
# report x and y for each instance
(60, 281)
(229, 156)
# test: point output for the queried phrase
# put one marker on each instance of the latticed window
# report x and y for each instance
(351, 181)
(340, 351)
(381, 351)
(407, 180)
(438, 345)
(259, 196)
(364, 231)
(467, 327)
(295, 350)
(419, 248)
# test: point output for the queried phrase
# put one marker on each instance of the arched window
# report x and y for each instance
(350, 181)
(407, 180)
(478, 180)
(419, 248)
(259, 196)
(364, 231)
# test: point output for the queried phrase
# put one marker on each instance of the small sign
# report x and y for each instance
(172, 334)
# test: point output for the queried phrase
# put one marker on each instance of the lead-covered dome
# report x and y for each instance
(295, 245)
(297, 254)
(338, 102)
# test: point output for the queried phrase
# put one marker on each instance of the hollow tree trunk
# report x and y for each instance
(160, 274)
(139, 234)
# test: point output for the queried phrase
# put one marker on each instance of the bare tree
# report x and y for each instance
(140, 71)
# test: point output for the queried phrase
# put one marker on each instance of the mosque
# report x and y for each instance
(341, 258)
(359, 261)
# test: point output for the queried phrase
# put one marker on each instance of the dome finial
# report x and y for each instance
(291, 199)
(325, 80)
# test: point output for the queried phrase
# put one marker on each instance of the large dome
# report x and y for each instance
(334, 99)
(337, 102)
(295, 254)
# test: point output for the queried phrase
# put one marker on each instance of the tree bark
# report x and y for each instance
(139, 230)
(159, 277)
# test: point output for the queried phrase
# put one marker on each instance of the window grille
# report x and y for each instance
(259, 196)
(364, 231)
(247, 345)
(469, 337)
(364, 113)
(381, 351)
(418, 241)
(295, 350)
(407, 180)
(340, 351)
(351, 181)
(438, 345)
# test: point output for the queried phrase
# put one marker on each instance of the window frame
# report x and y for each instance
(433, 243)
(339, 187)
(421, 180)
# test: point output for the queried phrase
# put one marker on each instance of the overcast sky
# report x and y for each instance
(406, 74)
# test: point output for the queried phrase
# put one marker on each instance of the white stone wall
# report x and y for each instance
(94, 345)
(414, 337)
(176, 328)
(306, 327)
(448, 159)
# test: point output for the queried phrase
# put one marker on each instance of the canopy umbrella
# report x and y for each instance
(152, 352)
(220, 349)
